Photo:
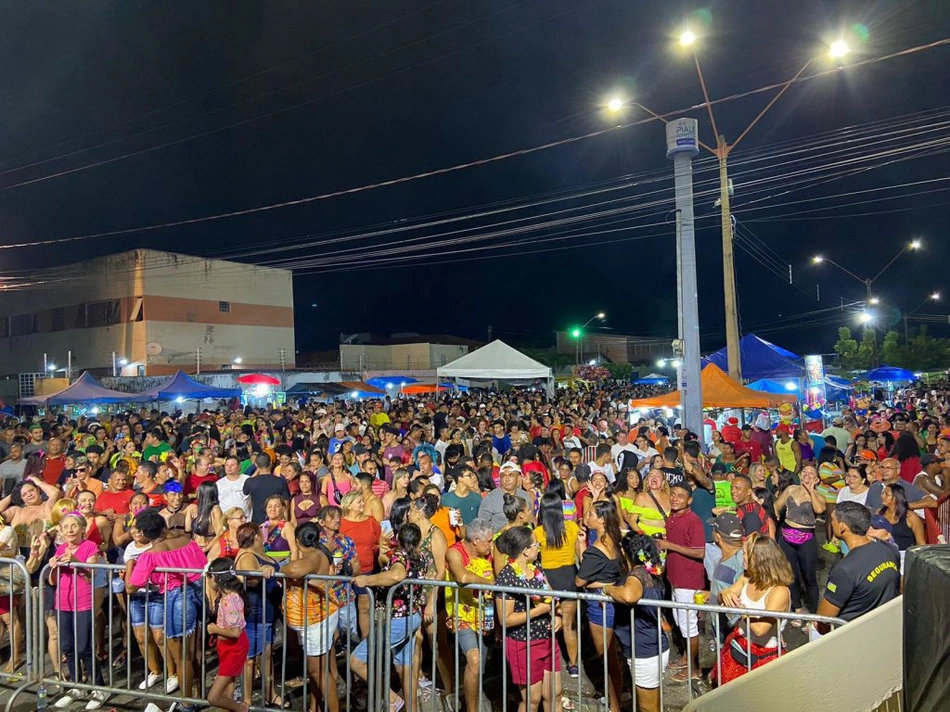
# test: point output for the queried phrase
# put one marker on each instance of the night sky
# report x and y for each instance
(121, 115)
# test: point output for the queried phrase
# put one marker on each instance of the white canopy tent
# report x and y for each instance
(498, 361)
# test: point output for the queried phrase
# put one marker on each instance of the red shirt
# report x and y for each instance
(116, 501)
(365, 536)
(535, 466)
(686, 529)
(53, 468)
(193, 480)
(751, 447)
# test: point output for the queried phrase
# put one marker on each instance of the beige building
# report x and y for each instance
(406, 357)
(154, 312)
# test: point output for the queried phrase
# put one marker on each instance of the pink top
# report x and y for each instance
(231, 611)
(189, 556)
(74, 587)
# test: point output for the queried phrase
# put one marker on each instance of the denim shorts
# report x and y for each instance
(138, 612)
(179, 614)
(259, 635)
(402, 638)
(600, 614)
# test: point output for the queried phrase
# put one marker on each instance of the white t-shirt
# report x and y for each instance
(231, 494)
(607, 469)
(645, 456)
(846, 495)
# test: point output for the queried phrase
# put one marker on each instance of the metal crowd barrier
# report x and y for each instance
(502, 593)
(193, 652)
(128, 679)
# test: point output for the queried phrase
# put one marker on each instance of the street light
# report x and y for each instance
(838, 49)
(687, 38)
(238, 360)
(615, 104)
(932, 297)
(577, 333)
(865, 317)
(914, 244)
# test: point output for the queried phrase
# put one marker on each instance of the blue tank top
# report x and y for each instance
(645, 626)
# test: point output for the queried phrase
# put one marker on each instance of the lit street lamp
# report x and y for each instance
(932, 297)
(868, 282)
(577, 333)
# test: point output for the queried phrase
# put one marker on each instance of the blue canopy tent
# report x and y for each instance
(391, 383)
(837, 389)
(86, 389)
(760, 359)
(889, 374)
(769, 385)
(652, 379)
(181, 386)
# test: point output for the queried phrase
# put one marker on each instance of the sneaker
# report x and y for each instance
(152, 707)
(150, 681)
(831, 547)
(66, 700)
(425, 683)
(171, 685)
(99, 698)
(572, 671)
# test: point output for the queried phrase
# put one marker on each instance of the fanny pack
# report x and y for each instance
(745, 657)
(796, 536)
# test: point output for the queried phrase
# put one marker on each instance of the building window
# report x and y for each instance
(138, 312)
(4, 326)
(57, 319)
(23, 325)
(224, 307)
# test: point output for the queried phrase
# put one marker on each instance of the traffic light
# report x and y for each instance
(576, 332)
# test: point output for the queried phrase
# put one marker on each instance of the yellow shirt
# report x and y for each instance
(468, 609)
(555, 558)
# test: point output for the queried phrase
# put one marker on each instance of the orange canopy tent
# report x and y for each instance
(719, 391)
(414, 389)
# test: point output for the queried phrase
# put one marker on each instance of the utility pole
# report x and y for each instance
(682, 145)
(728, 264)
(198, 361)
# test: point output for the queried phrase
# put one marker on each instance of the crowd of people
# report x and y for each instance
(581, 493)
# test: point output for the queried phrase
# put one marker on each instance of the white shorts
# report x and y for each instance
(647, 672)
(316, 639)
(687, 620)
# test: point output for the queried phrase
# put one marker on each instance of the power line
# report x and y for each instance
(444, 170)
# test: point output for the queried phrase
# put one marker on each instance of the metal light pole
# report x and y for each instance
(682, 145)
(868, 283)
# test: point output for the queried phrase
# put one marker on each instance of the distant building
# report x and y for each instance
(407, 352)
(616, 348)
(154, 311)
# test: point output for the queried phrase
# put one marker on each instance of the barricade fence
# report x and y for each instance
(85, 632)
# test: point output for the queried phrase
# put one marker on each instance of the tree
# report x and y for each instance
(620, 371)
(867, 350)
(892, 353)
(846, 348)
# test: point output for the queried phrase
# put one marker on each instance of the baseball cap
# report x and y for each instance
(838, 420)
(339, 428)
(173, 486)
(867, 455)
(728, 526)
(35, 426)
(509, 467)
(360, 449)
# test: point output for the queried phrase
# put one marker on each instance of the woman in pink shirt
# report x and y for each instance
(74, 605)
(176, 605)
